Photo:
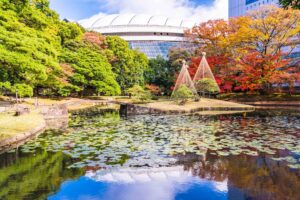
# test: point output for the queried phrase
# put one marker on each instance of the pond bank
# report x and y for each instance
(273, 103)
(11, 125)
(16, 130)
(170, 107)
(19, 136)
(50, 114)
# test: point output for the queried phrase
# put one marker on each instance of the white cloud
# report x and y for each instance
(184, 9)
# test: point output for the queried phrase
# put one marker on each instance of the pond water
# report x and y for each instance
(107, 157)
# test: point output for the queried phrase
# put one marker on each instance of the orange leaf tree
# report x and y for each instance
(251, 52)
(211, 36)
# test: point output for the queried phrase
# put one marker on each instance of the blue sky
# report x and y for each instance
(83, 9)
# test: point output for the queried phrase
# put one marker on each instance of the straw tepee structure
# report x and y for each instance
(184, 78)
(204, 71)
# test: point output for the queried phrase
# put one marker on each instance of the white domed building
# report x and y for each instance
(153, 35)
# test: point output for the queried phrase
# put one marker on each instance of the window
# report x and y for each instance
(154, 48)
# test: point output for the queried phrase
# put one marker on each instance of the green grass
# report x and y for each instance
(46, 101)
(191, 105)
(11, 125)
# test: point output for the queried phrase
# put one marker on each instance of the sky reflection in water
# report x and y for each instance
(172, 183)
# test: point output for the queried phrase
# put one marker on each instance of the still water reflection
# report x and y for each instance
(103, 156)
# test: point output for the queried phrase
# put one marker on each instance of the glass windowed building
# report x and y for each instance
(241, 7)
(153, 35)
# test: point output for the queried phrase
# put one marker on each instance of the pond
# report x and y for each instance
(103, 156)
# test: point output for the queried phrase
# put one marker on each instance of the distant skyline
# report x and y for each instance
(196, 10)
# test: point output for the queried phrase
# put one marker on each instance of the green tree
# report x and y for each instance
(207, 85)
(182, 95)
(176, 56)
(29, 43)
(92, 71)
(163, 72)
(58, 58)
(159, 73)
(69, 31)
(22, 90)
(139, 93)
(4, 87)
(129, 65)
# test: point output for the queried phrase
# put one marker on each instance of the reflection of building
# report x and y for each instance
(241, 7)
(153, 35)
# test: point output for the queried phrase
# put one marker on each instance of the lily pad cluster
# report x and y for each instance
(108, 141)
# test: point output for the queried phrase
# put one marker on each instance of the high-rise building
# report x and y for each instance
(241, 7)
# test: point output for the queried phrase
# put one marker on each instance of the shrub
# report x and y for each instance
(23, 90)
(64, 91)
(139, 93)
(207, 85)
(182, 94)
(4, 87)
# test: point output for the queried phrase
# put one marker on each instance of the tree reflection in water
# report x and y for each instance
(258, 178)
(33, 176)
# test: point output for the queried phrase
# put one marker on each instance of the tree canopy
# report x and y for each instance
(251, 53)
(129, 65)
(54, 57)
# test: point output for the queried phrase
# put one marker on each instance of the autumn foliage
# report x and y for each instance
(94, 38)
(250, 53)
(154, 89)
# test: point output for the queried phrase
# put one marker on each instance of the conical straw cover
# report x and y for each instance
(204, 71)
(184, 78)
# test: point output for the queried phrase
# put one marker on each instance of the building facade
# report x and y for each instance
(153, 35)
(241, 7)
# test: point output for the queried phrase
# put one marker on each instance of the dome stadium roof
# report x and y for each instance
(133, 20)
(137, 27)
(152, 34)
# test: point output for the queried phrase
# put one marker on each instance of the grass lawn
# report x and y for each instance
(45, 101)
(203, 103)
(71, 103)
(12, 125)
